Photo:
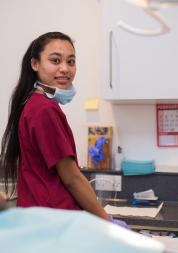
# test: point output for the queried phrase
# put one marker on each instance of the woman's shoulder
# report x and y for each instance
(42, 100)
(39, 103)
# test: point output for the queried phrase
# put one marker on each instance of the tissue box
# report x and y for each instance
(131, 168)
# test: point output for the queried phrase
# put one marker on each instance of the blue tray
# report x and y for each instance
(131, 167)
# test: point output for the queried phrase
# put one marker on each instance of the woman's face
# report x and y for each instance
(56, 66)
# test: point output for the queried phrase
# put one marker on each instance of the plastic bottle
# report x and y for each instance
(118, 158)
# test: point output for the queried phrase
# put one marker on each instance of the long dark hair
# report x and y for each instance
(10, 147)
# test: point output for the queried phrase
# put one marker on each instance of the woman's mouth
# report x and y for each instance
(62, 79)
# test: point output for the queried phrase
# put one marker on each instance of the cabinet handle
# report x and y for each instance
(110, 59)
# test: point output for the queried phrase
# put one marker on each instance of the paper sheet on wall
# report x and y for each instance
(133, 211)
(91, 103)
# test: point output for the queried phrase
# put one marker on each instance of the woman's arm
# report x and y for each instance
(79, 187)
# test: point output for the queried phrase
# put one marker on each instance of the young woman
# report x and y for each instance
(38, 147)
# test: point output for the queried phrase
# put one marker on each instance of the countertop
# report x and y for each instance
(166, 220)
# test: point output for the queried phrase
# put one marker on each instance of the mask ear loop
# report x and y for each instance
(39, 88)
(45, 88)
(47, 91)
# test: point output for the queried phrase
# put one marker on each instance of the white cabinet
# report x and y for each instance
(138, 67)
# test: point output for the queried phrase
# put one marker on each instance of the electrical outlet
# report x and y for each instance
(108, 183)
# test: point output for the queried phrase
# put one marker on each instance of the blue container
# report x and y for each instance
(131, 167)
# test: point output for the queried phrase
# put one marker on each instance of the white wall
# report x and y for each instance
(137, 131)
(21, 21)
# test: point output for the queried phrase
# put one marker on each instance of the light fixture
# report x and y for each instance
(151, 7)
(154, 3)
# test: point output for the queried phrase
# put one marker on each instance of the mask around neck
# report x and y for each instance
(61, 96)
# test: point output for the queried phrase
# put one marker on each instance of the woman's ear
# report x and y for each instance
(34, 64)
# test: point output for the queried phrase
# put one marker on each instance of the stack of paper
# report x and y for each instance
(147, 195)
(133, 211)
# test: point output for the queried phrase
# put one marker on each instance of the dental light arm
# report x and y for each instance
(142, 32)
(151, 7)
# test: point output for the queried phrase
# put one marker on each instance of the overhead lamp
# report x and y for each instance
(151, 7)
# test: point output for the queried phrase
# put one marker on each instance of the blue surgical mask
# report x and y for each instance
(62, 96)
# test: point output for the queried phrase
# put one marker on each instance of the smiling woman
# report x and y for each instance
(56, 70)
(38, 143)
(56, 65)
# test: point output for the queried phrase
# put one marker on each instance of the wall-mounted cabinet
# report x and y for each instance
(138, 68)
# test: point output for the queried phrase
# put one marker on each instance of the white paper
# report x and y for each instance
(133, 211)
(149, 194)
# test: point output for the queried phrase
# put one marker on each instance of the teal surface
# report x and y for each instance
(42, 230)
(131, 167)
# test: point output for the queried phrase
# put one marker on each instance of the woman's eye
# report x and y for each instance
(71, 62)
(56, 61)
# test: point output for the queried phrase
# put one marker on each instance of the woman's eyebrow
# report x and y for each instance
(58, 54)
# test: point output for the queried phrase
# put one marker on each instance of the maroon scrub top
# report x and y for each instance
(45, 138)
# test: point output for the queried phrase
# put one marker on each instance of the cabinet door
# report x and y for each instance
(109, 51)
(138, 67)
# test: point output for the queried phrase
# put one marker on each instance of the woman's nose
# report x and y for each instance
(63, 67)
